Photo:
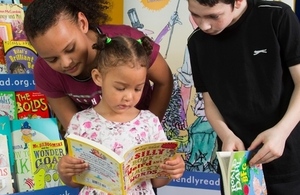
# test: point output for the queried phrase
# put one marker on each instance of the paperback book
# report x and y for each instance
(44, 157)
(31, 105)
(20, 57)
(25, 131)
(13, 13)
(238, 177)
(6, 186)
(3, 68)
(6, 33)
(5, 129)
(8, 104)
(114, 174)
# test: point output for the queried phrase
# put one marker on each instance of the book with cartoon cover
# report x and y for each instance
(20, 57)
(25, 131)
(44, 157)
(238, 177)
(114, 174)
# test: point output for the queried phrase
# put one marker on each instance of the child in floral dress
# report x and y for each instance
(121, 69)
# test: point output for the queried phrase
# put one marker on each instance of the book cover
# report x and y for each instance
(6, 1)
(114, 174)
(5, 171)
(25, 131)
(13, 14)
(238, 177)
(20, 57)
(44, 157)
(5, 129)
(6, 33)
(8, 104)
(3, 68)
(31, 105)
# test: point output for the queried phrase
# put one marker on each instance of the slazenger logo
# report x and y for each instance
(256, 52)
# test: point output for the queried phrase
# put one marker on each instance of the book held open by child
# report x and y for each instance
(114, 174)
(238, 177)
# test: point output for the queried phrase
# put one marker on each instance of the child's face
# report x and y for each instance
(26, 131)
(122, 87)
(66, 46)
(212, 20)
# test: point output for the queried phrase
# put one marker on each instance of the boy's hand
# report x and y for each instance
(232, 143)
(272, 141)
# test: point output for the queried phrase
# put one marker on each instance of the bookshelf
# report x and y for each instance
(25, 82)
(61, 190)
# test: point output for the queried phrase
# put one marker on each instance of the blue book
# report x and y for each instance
(23, 132)
(6, 130)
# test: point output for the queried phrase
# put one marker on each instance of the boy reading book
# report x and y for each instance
(121, 69)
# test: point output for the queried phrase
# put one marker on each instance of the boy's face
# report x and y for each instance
(212, 20)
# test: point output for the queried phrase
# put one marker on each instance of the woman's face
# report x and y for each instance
(66, 46)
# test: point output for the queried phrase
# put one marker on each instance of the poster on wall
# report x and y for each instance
(168, 23)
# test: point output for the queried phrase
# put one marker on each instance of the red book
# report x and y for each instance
(32, 104)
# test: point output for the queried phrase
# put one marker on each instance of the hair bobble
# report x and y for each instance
(108, 40)
(140, 41)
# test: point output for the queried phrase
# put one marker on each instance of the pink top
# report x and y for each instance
(119, 137)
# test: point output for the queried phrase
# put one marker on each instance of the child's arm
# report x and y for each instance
(174, 167)
(69, 166)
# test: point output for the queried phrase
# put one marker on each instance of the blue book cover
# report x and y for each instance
(25, 131)
(6, 130)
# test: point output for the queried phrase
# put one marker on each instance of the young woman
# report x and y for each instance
(63, 33)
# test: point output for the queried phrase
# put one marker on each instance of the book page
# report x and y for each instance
(224, 159)
(104, 171)
(143, 162)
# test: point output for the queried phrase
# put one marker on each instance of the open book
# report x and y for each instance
(114, 174)
(238, 177)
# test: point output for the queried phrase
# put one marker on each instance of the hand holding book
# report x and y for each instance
(115, 174)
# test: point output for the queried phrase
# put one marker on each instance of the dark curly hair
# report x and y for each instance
(212, 3)
(120, 50)
(43, 14)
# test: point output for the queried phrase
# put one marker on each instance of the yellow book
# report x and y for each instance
(115, 174)
(44, 157)
(6, 33)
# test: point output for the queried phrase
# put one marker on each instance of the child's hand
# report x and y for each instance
(69, 166)
(174, 167)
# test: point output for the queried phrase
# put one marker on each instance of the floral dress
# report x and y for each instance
(119, 137)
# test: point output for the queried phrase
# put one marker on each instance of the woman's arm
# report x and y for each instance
(161, 76)
(63, 108)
